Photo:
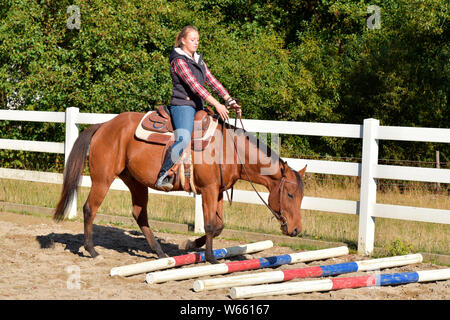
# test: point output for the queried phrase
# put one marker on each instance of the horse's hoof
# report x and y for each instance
(91, 252)
(187, 245)
(212, 260)
(162, 255)
(97, 259)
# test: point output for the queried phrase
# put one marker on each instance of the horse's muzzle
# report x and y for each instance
(294, 232)
(284, 230)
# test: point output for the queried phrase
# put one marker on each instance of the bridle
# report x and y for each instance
(278, 215)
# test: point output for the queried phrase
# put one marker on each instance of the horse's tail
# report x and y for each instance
(74, 169)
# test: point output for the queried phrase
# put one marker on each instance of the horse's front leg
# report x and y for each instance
(213, 225)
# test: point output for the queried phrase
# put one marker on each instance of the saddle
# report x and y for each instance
(156, 128)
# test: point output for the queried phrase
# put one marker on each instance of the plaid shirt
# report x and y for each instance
(180, 67)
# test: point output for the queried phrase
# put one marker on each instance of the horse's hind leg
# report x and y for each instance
(139, 197)
(93, 202)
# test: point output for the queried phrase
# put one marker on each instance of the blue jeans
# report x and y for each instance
(183, 123)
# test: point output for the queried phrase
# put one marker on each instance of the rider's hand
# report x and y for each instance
(222, 111)
(233, 103)
(237, 109)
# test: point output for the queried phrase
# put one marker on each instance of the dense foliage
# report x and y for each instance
(297, 60)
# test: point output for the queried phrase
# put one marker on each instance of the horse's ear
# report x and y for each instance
(302, 172)
(283, 166)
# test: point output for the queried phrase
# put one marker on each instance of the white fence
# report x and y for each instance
(369, 169)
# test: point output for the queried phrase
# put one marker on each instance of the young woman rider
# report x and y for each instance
(189, 74)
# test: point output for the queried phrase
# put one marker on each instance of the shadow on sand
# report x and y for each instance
(120, 240)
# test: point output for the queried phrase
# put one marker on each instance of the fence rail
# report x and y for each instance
(369, 170)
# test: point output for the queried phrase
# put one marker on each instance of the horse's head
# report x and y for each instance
(285, 200)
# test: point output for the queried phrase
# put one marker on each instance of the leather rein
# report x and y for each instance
(278, 215)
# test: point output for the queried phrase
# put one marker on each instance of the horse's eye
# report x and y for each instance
(290, 195)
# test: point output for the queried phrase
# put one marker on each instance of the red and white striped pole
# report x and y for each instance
(308, 272)
(190, 258)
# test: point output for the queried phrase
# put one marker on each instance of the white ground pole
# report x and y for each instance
(165, 263)
(222, 268)
(329, 284)
(279, 276)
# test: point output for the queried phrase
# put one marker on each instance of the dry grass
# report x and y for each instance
(420, 236)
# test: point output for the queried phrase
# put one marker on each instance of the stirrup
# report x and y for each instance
(165, 181)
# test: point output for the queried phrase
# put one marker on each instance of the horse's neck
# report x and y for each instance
(258, 166)
(255, 173)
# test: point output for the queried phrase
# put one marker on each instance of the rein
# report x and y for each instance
(277, 215)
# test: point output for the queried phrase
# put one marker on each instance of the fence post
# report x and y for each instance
(71, 136)
(198, 222)
(368, 195)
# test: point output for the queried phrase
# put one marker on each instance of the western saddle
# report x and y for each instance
(156, 127)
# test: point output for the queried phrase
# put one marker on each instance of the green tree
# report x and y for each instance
(286, 60)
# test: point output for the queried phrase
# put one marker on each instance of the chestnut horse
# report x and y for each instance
(114, 152)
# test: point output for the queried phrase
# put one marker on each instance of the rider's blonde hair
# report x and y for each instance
(182, 34)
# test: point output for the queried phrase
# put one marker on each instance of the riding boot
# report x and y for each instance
(164, 180)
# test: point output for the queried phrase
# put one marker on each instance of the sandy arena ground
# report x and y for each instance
(35, 254)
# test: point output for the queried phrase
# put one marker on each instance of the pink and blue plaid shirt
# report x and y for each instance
(180, 67)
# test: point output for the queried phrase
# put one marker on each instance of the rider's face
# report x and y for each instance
(190, 42)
